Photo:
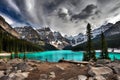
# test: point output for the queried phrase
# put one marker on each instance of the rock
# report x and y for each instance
(60, 67)
(99, 77)
(103, 61)
(12, 75)
(7, 71)
(115, 66)
(19, 71)
(23, 67)
(82, 77)
(4, 66)
(15, 61)
(116, 70)
(104, 71)
(52, 75)
(1, 74)
(20, 76)
(43, 76)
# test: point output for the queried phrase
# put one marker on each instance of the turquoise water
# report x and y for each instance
(55, 56)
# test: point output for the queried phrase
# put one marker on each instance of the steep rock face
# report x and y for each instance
(115, 29)
(28, 33)
(8, 28)
(53, 38)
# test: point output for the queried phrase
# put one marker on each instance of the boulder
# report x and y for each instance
(115, 66)
(23, 67)
(103, 61)
(99, 77)
(82, 77)
(104, 71)
(20, 76)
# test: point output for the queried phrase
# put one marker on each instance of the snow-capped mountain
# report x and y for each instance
(114, 30)
(28, 33)
(103, 28)
(81, 38)
(74, 40)
(53, 38)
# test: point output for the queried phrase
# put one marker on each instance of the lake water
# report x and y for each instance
(55, 56)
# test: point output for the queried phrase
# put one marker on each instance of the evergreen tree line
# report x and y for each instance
(90, 53)
(9, 43)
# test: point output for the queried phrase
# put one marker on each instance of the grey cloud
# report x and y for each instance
(85, 13)
(46, 12)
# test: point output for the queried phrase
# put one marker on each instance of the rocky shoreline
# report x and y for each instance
(18, 69)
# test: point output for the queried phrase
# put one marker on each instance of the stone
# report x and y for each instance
(12, 75)
(99, 77)
(19, 71)
(23, 67)
(115, 66)
(52, 75)
(90, 78)
(20, 76)
(1, 74)
(82, 77)
(104, 71)
(60, 67)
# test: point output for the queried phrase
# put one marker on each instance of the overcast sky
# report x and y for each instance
(66, 16)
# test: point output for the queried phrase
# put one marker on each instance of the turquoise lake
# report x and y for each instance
(55, 56)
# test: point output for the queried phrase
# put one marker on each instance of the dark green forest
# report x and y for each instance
(9, 43)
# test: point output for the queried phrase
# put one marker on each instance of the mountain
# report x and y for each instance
(81, 38)
(8, 28)
(103, 28)
(78, 39)
(28, 33)
(53, 38)
(112, 35)
(114, 30)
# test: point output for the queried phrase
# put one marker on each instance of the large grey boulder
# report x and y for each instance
(104, 71)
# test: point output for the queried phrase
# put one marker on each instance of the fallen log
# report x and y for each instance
(74, 62)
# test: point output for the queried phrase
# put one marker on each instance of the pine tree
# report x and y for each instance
(90, 53)
(104, 49)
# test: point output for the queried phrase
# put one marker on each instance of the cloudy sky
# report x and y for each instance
(66, 16)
